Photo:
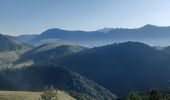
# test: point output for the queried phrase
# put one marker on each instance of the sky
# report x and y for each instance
(35, 16)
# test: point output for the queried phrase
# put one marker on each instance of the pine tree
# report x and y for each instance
(154, 94)
(133, 96)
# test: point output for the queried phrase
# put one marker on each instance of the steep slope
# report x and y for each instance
(122, 67)
(36, 77)
(9, 43)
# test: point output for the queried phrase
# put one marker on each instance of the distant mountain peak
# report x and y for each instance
(53, 29)
(149, 26)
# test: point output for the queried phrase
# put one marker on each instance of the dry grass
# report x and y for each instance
(23, 95)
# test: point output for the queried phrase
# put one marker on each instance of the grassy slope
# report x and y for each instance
(7, 58)
(23, 95)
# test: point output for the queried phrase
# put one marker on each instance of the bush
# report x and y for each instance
(49, 93)
(154, 94)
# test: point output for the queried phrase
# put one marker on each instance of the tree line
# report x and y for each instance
(153, 94)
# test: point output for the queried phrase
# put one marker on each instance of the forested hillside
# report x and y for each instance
(122, 67)
(36, 77)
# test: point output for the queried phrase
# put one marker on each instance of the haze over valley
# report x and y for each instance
(84, 50)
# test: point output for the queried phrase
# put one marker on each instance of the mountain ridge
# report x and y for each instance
(148, 34)
(10, 43)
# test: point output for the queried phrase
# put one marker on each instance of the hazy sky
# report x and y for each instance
(34, 16)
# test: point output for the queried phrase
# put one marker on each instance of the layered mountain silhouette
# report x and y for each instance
(119, 67)
(151, 34)
(122, 67)
(10, 43)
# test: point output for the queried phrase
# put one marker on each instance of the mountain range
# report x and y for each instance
(122, 67)
(38, 75)
(119, 67)
(150, 34)
(59, 58)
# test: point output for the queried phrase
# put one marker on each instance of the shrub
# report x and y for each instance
(49, 93)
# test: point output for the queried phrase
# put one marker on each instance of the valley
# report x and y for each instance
(84, 50)
(105, 72)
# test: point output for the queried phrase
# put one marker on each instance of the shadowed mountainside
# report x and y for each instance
(122, 67)
(36, 77)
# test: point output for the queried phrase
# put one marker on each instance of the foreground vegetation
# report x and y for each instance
(153, 94)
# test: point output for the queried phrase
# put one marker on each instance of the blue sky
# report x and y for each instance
(34, 16)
